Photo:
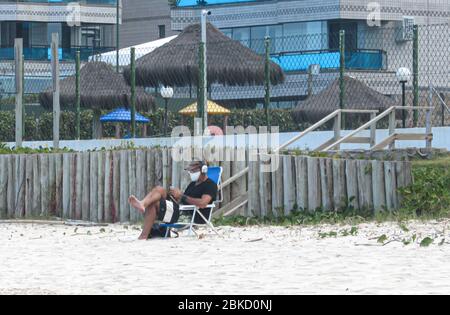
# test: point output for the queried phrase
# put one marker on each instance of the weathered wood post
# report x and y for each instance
(337, 129)
(429, 126)
(301, 176)
(314, 185)
(392, 126)
(373, 130)
(3, 186)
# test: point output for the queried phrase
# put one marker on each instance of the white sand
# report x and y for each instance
(47, 259)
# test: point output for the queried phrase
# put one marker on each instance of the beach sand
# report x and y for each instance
(58, 259)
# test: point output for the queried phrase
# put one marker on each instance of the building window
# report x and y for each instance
(162, 31)
(305, 36)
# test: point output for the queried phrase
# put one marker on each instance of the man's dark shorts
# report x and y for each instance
(169, 211)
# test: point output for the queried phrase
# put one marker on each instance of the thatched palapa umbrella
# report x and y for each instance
(228, 62)
(100, 88)
(357, 96)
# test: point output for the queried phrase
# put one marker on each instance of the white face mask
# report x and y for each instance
(195, 176)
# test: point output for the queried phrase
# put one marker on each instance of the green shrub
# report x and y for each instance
(429, 195)
(40, 127)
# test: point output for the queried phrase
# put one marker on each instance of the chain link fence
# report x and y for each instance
(310, 77)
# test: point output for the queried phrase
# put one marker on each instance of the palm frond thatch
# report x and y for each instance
(229, 62)
(357, 96)
(100, 88)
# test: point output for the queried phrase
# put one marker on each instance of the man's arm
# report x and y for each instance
(200, 203)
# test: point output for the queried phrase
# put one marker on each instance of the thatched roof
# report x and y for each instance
(100, 88)
(229, 62)
(357, 96)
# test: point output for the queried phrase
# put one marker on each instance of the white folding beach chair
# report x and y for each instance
(215, 174)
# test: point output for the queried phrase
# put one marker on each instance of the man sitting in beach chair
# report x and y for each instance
(165, 206)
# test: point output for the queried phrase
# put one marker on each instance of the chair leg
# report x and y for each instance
(192, 222)
(209, 223)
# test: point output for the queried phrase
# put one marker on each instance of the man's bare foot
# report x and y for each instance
(135, 203)
(142, 238)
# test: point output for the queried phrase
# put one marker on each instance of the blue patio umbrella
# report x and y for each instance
(123, 115)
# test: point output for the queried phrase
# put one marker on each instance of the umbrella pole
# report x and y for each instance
(117, 130)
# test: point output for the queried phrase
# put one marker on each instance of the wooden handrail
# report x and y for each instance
(374, 121)
(301, 135)
(440, 99)
(323, 121)
(234, 177)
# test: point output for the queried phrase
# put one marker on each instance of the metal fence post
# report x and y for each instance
(24, 110)
(416, 72)
(117, 34)
(201, 86)
(77, 96)
(18, 55)
(342, 74)
(55, 77)
(133, 92)
(267, 81)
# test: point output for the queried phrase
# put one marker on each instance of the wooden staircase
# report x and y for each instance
(334, 143)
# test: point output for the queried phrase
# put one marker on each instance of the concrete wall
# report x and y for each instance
(284, 11)
(141, 19)
(309, 142)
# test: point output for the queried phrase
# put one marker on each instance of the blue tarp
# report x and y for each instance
(123, 115)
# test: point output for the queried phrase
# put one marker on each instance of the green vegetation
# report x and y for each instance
(6, 150)
(429, 195)
(39, 127)
(427, 198)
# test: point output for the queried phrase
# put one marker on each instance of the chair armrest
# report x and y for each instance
(191, 207)
(187, 208)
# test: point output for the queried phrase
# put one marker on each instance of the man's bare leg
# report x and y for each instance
(153, 197)
(149, 220)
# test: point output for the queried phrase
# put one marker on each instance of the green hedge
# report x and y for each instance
(40, 127)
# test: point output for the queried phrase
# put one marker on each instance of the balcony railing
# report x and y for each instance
(42, 53)
(361, 59)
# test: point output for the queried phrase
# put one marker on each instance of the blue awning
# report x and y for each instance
(123, 115)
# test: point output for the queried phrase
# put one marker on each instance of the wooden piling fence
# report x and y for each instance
(95, 186)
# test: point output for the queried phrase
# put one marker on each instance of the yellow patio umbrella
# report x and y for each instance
(213, 109)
